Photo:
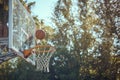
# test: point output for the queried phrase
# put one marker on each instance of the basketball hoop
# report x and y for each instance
(42, 56)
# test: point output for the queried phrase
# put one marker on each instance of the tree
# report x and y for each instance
(3, 11)
(63, 66)
(6, 69)
(28, 5)
(109, 20)
(86, 28)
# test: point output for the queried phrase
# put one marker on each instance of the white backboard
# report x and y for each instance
(21, 28)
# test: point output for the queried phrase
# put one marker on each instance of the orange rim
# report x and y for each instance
(28, 52)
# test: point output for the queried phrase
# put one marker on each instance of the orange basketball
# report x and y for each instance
(40, 34)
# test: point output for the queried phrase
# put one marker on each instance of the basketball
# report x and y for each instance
(40, 34)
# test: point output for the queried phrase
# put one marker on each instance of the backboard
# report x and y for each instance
(21, 29)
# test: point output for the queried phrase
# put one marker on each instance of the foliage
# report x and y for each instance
(63, 66)
(28, 5)
(3, 11)
(87, 28)
(22, 71)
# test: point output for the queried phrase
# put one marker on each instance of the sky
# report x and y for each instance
(43, 9)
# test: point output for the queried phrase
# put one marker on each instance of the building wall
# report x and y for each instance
(3, 18)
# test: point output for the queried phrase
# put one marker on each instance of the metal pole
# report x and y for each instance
(10, 24)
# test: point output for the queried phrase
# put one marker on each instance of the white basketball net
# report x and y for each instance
(43, 59)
